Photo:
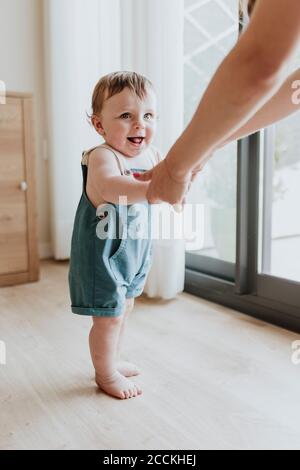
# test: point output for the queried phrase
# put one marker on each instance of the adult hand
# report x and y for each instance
(163, 187)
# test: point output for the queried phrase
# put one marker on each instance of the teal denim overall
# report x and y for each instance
(104, 272)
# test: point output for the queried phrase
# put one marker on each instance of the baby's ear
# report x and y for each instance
(96, 121)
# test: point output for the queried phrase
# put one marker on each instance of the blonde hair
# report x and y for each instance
(114, 83)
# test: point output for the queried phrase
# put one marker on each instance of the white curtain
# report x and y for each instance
(154, 47)
(84, 41)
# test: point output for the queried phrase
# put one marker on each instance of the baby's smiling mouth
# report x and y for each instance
(136, 140)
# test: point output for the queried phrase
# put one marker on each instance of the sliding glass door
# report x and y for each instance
(250, 258)
(211, 30)
(279, 243)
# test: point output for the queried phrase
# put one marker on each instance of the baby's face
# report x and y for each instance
(128, 123)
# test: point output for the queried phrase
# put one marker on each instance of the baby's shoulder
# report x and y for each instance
(103, 157)
(101, 152)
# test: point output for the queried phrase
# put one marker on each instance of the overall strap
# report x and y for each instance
(84, 169)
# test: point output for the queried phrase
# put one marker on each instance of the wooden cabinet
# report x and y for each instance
(19, 260)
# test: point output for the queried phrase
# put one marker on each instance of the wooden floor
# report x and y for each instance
(212, 378)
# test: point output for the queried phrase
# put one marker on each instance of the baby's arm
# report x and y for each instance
(107, 182)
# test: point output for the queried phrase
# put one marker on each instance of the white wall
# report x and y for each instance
(22, 69)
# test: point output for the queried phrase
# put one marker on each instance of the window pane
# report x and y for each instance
(280, 196)
(211, 30)
(281, 253)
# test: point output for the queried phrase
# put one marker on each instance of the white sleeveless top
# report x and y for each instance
(129, 165)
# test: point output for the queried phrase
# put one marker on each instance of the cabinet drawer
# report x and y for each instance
(13, 220)
(18, 240)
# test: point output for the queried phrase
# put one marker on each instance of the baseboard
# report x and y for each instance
(45, 250)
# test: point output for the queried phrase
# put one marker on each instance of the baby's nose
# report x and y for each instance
(139, 124)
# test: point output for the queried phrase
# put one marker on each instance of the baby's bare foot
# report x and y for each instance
(118, 386)
(127, 369)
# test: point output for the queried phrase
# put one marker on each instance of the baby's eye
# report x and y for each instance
(149, 116)
(125, 116)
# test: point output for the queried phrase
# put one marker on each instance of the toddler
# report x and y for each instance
(109, 266)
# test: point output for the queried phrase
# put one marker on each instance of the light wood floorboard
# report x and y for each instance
(212, 378)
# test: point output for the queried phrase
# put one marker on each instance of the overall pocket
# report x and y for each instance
(126, 262)
(121, 264)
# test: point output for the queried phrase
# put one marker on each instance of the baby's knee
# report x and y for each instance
(129, 304)
(100, 322)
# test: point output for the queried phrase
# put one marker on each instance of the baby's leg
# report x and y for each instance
(125, 368)
(103, 341)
